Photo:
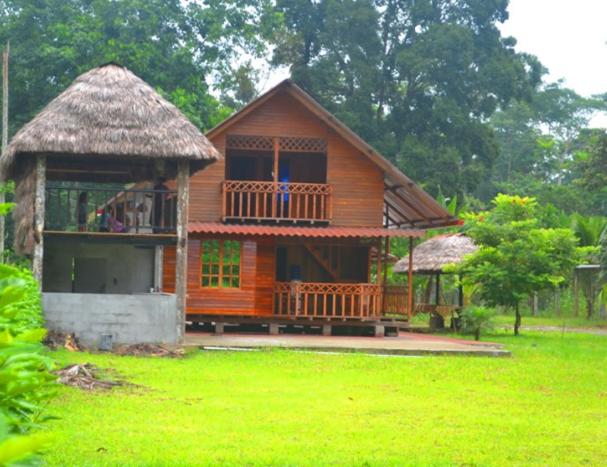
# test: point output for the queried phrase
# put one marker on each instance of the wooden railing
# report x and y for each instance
(395, 300)
(327, 300)
(257, 200)
(112, 210)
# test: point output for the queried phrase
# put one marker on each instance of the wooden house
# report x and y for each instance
(292, 223)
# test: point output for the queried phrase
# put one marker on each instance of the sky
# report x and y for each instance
(570, 39)
(568, 36)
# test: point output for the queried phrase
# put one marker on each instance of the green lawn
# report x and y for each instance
(545, 405)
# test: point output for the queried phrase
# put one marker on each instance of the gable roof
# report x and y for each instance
(109, 111)
(406, 203)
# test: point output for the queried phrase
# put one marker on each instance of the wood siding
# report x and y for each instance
(253, 297)
(357, 182)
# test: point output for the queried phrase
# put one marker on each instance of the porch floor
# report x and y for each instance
(404, 344)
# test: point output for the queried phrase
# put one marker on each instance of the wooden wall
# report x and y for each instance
(357, 182)
(253, 297)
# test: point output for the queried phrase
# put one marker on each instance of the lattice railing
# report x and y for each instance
(309, 202)
(327, 300)
(285, 143)
(395, 300)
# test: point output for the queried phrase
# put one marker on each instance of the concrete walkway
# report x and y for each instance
(405, 344)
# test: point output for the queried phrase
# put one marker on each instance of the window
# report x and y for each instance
(220, 263)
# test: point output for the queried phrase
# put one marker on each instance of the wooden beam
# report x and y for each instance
(410, 281)
(181, 276)
(39, 218)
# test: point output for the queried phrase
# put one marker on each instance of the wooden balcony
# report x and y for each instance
(327, 300)
(110, 210)
(277, 201)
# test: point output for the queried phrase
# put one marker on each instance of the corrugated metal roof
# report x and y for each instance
(292, 231)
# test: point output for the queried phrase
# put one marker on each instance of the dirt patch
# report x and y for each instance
(150, 350)
(85, 376)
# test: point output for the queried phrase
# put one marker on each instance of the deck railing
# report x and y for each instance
(112, 210)
(395, 300)
(327, 300)
(257, 200)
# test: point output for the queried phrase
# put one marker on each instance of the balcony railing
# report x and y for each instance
(111, 210)
(327, 300)
(256, 200)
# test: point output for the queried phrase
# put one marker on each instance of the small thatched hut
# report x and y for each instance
(431, 256)
(110, 116)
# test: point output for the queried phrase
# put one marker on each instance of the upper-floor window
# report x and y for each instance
(220, 263)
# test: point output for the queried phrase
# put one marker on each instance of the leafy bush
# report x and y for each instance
(477, 318)
(26, 382)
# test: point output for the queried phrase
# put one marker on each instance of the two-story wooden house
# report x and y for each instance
(293, 223)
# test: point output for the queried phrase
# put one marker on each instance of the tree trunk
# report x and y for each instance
(477, 334)
(517, 320)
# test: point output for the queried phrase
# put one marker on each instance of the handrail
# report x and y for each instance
(327, 300)
(111, 210)
(269, 200)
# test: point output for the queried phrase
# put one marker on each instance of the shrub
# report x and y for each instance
(477, 318)
(26, 382)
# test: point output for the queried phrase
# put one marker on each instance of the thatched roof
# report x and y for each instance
(108, 111)
(433, 255)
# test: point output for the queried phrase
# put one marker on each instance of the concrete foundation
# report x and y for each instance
(128, 319)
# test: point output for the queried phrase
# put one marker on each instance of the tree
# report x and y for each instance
(419, 83)
(539, 142)
(180, 48)
(516, 256)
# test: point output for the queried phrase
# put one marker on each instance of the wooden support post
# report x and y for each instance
(385, 272)
(460, 297)
(158, 267)
(275, 170)
(181, 276)
(39, 218)
(437, 290)
(576, 293)
(410, 281)
(4, 138)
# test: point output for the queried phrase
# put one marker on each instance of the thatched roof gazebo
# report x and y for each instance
(107, 127)
(430, 258)
(107, 117)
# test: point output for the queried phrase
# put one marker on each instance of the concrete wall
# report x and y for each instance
(129, 319)
(86, 267)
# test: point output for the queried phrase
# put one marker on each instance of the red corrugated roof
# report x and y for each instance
(291, 231)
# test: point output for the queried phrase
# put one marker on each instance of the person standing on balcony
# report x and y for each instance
(82, 211)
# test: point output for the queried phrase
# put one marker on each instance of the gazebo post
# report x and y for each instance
(39, 206)
(183, 189)
(410, 281)
(576, 293)
(437, 290)
(460, 295)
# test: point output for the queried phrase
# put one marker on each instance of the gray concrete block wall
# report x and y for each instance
(128, 319)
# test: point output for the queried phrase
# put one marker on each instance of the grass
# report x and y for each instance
(545, 405)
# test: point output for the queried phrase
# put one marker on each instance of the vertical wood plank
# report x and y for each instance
(410, 281)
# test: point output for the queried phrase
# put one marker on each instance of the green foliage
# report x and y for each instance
(26, 383)
(419, 84)
(476, 319)
(516, 256)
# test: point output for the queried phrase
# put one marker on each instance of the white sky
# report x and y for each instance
(570, 39)
(568, 36)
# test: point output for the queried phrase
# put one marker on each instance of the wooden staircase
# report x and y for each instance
(327, 256)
